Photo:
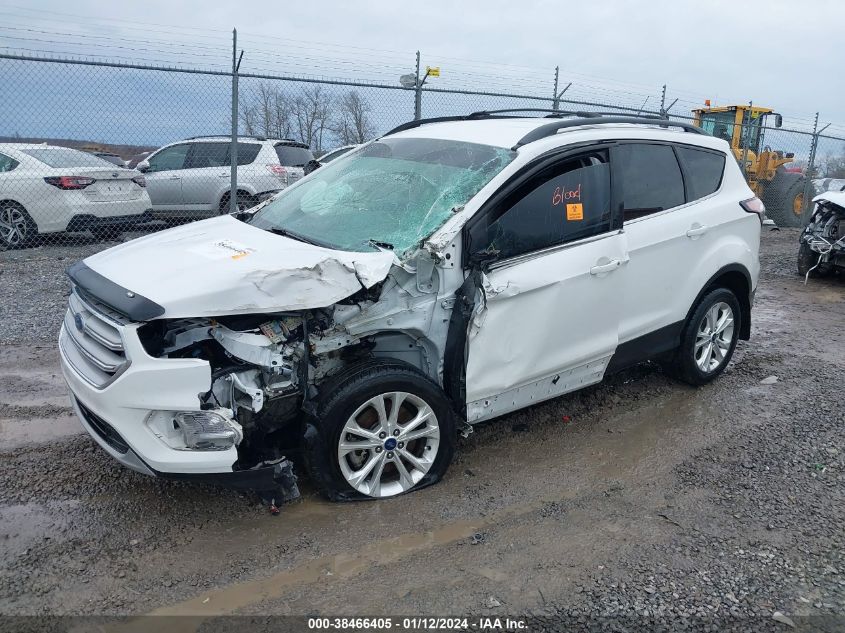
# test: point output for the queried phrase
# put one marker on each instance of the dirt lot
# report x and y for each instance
(640, 500)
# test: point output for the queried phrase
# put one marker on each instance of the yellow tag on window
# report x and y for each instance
(575, 211)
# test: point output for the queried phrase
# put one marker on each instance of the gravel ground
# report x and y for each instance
(638, 504)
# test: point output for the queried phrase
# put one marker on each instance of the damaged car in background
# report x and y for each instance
(822, 242)
(445, 274)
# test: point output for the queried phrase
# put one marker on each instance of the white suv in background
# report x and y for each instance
(450, 272)
(192, 178)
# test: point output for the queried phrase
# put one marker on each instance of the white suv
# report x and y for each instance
(192, 177)
(449, 272)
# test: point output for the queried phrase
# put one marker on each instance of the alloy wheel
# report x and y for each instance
(714, 337)
(388, 444)
(13, 226)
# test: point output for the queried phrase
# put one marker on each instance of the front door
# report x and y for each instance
(164, 176)
(547, 320)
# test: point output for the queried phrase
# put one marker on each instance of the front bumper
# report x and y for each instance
(125, 406)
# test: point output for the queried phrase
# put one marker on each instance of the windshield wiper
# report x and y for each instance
(295, 236)
(379, 244)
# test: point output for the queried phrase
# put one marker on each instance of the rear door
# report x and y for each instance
(164, 177)
(668, 219)
(547, 318)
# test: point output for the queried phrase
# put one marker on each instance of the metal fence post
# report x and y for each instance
(663, 101)
(808, 174)
(233, 150)
(744, 136)
(555, 98)
(418, 93)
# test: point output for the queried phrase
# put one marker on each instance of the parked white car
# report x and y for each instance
(192, 178)
(447, 273)
(47, 189)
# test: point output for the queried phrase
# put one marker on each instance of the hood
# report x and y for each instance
(223, 266)
(836, 197)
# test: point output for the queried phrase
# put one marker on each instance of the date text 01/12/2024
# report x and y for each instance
(417, 624)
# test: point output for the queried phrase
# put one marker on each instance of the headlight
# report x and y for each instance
(207, 430)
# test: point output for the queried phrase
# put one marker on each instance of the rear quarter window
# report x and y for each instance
(703, 171)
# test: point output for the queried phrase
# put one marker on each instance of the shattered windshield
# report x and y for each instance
(396, 191)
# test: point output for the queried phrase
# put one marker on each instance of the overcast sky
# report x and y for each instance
(781, 53)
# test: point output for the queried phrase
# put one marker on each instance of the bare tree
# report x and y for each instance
(311, 113)
(352, 122)
(833, 165)
(268, 112)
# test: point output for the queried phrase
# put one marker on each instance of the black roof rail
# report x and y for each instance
(578, 118)
(550, 129)
(257, 138)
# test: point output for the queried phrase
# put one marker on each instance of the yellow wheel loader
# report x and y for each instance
(781, 190)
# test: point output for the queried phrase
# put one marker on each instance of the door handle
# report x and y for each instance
(696, 230)
(175, 178)
(609, 267)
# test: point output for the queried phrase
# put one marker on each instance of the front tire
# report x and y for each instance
(381, 429)
(808, 260)
(709, 338)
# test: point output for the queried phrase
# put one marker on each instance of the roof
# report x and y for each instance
(507, 132)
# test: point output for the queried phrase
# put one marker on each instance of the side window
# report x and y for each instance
(702, 170)
(247, 152)
(169, 158)
(565, 202)
(7, 163)
(208, 155)
(649, 178)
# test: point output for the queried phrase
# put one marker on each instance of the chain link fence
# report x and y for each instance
(98, 152)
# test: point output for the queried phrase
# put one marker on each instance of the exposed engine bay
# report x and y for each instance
(822, 242)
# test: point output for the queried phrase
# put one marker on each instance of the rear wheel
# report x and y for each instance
(17, 229)
(784, 199)
(383, 429)
(244, 202)
(708, 339)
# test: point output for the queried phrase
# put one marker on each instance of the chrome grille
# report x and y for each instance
(91, 341)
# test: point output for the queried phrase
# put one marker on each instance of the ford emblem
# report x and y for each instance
(77, 320)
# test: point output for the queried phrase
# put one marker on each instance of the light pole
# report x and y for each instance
(413, 81)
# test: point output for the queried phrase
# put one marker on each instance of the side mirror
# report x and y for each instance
(143, 166)
(778, 120)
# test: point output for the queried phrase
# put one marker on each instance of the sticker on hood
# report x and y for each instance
(222, 249)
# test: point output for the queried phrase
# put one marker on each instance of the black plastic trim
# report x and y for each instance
(103, 429)
(128, 303)
(745, 302)
(646, 347)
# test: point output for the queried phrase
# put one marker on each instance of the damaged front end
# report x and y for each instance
(822, 242)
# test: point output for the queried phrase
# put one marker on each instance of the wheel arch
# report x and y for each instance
(247, 190)
(22, 207)
(737, 279)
